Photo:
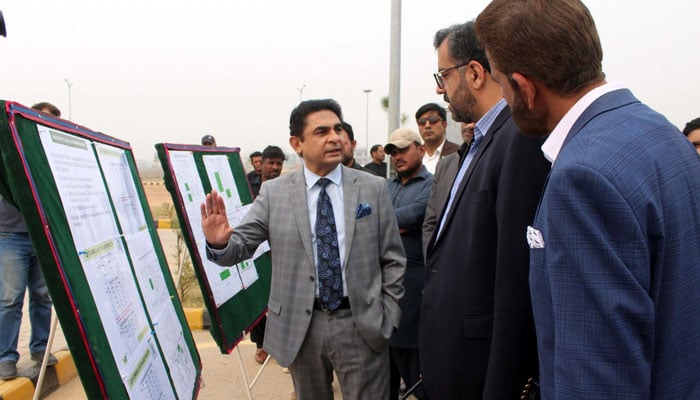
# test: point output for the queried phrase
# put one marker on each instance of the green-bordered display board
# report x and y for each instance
(236, 296)
(93, 234)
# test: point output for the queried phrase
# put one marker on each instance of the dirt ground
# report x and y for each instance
(156, 193)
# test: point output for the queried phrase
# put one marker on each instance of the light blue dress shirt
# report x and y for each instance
(335, 192)
(480, 130)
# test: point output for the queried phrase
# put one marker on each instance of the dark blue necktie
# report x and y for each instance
(330, 278)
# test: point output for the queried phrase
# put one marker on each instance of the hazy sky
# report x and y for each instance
(170, 71)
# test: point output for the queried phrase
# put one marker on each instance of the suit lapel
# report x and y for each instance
(483, 146)
(351, 194)
(297, 198)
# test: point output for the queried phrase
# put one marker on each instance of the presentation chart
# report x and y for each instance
(92, 230)
(236, 296)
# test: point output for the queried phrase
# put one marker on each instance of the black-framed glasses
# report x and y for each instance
(441, 73)
(432, 119)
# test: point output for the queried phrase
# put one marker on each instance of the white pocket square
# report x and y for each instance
(534, 238)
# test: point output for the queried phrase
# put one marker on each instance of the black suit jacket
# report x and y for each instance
(477, 336)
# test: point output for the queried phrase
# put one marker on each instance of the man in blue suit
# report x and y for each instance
(615, 261)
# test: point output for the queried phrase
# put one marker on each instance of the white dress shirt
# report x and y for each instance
(555, 140)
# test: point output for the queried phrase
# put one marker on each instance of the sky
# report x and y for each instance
(158, 71)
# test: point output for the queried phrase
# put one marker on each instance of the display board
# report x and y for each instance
(93, 234)
(235, 296)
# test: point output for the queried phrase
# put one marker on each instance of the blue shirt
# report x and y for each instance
(410, 201)
(480, 130)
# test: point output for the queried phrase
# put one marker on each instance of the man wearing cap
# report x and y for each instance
(409, 191)
(477, 336)
(208, 140)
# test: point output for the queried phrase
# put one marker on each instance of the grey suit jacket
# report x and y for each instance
(374, 259)
(445, 174)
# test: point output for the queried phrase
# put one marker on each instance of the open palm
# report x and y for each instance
(215, 226)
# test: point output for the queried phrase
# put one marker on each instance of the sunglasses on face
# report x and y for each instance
(433, 120)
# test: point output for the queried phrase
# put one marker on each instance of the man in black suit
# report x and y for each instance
(477, 337)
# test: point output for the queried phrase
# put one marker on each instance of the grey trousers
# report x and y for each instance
(333, 343)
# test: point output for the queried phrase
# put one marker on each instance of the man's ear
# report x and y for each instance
(475, 74)
(295, 142)
(526, 87)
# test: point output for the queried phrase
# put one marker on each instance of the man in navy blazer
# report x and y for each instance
(477, 335)
(615, 261)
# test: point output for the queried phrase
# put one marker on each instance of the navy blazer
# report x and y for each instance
(477, 337)
(616, 285)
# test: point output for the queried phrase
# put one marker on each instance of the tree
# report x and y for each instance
(384, 101)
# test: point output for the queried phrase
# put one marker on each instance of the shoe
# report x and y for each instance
(285, 370)
(39, 357)
(260, 356)
(8, 370)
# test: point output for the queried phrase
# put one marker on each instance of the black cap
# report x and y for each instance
(208, 140)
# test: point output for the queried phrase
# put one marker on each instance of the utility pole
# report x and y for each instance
(69, 83)
(395, 66)
(301, 91)
(367, 92)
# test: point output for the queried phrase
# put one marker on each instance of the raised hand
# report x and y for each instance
(215, 225)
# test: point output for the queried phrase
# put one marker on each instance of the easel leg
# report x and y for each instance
(245, 377)
(47, 354)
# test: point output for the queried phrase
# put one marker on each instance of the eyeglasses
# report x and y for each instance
(432, 119)
(441, 74)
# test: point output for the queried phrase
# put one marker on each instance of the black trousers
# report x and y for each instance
(404, 364)
(257, 334)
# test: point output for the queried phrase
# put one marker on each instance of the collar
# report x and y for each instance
(335, 176)
(422, 174)
(552, 146)
(438, 151)
(484, 123)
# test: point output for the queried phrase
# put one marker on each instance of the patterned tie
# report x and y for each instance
(330, 278)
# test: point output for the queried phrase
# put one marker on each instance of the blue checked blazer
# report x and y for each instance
(616, 287)
(375, 261)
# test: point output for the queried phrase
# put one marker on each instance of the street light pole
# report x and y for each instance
(301, 91)
(69, 100)
(367, 92)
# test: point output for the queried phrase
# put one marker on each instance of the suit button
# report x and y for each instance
(308, 312)
(311, 278)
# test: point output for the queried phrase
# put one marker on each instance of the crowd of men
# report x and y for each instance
(552, 254)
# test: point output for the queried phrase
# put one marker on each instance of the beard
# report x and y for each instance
(409, 169)
(462, 103)
(528, 122)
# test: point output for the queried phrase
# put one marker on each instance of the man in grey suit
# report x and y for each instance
(338, 262)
